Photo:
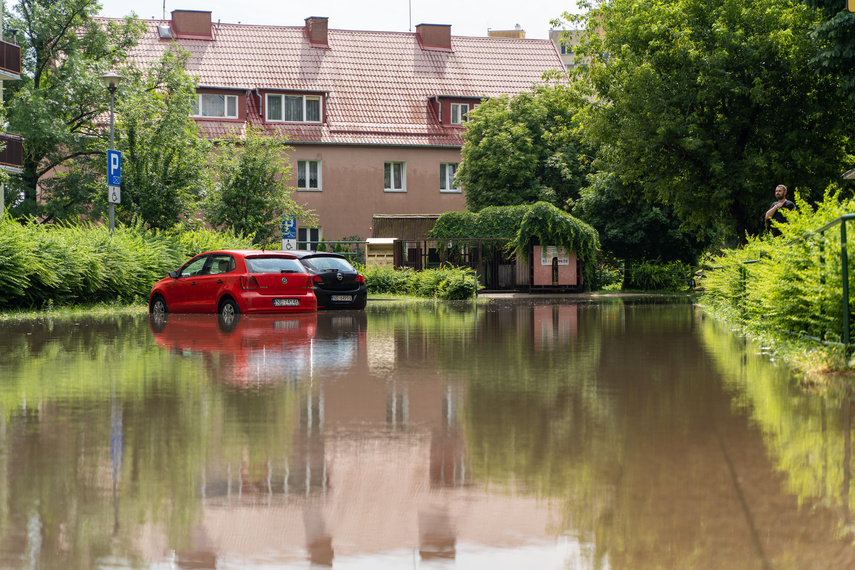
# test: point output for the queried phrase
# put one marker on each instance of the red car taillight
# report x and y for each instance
(316, 279)
(248, 282)
(360, 279)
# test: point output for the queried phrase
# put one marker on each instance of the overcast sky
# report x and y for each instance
(466, 17)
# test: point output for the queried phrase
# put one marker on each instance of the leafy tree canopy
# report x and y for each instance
(633, 229)
(56, 104)
(709, 104)
(164, 170)
(523, 149)
(251, 196)
(834, 38)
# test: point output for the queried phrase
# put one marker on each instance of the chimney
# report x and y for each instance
(191, 24)
(316, 31)
(434, 36)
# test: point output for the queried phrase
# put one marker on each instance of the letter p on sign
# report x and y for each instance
(114, 168)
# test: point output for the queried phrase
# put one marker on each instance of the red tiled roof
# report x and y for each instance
(377, 83)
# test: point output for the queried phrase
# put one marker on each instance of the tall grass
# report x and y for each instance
(66, 264)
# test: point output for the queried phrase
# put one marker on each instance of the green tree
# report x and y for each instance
(632, 229)
(834, 38)
(524, 149)
(164, 171)
(250, 196)
(708, 105)
(56, 105)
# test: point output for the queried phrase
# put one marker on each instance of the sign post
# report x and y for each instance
(289, 233)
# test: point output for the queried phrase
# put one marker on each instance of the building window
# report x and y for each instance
(447, 170)
(396, 176)
(566, 50)
(308, 238)
(308, 175)
(458, 113)
(216, 106)
(293, 108)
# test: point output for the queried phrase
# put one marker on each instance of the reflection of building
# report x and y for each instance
(555, 326)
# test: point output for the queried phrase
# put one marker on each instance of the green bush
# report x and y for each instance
(786, 284)
(458, 286)
(606, 277)
(61, 264)
(381, 279)
(447, 283)
(658, 276)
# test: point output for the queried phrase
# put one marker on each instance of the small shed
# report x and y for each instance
(380, 252)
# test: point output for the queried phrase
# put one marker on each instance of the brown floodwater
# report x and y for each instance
(538, 434)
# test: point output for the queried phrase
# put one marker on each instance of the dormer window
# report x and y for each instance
(293, 108)
(215, 106)
(459, 113)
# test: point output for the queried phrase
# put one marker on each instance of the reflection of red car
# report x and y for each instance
(242, 349)
(236, 281)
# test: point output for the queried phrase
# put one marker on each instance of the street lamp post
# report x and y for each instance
(111, 81)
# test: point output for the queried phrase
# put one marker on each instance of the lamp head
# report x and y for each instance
(111, 81)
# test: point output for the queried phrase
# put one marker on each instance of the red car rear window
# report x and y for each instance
(273, 265)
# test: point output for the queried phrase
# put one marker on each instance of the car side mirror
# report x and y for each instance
(173, 274)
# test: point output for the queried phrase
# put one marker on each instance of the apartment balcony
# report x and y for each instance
(10, 61)
(12, 155)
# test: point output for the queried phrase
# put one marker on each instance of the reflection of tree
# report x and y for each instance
(56, 500)
(807, 434)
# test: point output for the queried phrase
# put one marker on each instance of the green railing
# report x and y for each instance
(844, 271)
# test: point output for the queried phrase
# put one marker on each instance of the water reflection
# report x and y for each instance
(537, 434)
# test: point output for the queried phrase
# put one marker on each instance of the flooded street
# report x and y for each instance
(537, 434)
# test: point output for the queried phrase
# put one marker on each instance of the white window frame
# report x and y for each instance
(304, 107)
(446, 182)
(389, 166)
(309, 236)
(199, 107)
(307, 164)
(459, 112)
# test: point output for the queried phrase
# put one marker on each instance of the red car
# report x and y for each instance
(236, 281)
(242, 350)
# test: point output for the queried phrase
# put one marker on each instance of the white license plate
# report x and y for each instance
(346, 298)
(286, 302)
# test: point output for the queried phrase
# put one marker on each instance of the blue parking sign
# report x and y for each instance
(289, 228)
(114, 168)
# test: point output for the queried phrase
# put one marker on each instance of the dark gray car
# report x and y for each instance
(338, 285)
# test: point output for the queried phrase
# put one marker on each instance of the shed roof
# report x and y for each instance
(404, 227)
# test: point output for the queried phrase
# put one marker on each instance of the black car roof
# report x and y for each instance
(302, 254)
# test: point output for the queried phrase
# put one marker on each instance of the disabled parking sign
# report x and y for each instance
(289, 233)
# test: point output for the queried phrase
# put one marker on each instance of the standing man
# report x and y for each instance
(774, 213)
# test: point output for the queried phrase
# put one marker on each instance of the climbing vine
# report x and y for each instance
(516, 227)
